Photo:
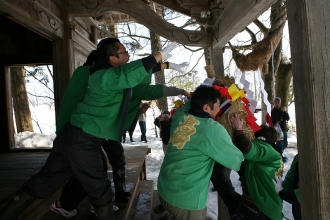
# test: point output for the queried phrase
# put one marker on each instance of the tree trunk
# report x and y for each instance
(284, 75)
(20, 100)
(269, 78)
(276, 19)
(159, 76)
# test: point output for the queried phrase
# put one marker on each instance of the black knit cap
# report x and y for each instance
(166, 113)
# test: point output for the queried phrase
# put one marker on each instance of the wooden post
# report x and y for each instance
(309, 26)
(217, 61)
(63, 59)
(6, 111)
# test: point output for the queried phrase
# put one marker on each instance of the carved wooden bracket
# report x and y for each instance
(33, 15)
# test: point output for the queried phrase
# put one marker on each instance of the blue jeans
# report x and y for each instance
(283, 143)
(143, 127)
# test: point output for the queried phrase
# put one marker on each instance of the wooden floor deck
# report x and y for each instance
(17, 167)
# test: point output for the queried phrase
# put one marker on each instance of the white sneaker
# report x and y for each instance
(56, 207)
(92, 210)
(115, 209)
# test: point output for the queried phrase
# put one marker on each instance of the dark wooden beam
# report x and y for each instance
(144, 15)
(309, 27)
(34, 16)
(27, 59)
(235, 17)
(173, 5)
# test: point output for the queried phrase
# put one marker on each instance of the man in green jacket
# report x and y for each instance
(73, 192)
(262, 162)
(289, 189)
(196, 141)
(76, 149)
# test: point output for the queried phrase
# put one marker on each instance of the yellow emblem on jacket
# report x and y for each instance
(280, 170)
(183, 132)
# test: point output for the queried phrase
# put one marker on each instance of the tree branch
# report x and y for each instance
(264, 30)
(253, 36)
(182, 75)
(31, 74)
(38, 96)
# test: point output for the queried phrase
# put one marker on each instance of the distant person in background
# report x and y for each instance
(279, 115)
(163, 122)
(142, 121)
(131, 128)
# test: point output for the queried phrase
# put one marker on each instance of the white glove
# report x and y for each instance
(166, 51)
(208, 81)
(278, 183)
(178, 67)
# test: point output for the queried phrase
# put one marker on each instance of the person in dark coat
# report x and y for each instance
(131, 128)
(281, 116)
(163, 122)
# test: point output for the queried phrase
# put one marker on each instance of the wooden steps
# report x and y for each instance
(137, 207)
(141, 206)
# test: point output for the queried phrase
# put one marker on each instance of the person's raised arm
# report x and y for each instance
(151, 61)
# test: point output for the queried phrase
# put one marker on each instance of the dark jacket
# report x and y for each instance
(283, 117)
(165, 127)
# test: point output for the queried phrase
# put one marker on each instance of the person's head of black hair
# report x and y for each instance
(108, 47)
(92, 57)
(204, 95)
(267, 132)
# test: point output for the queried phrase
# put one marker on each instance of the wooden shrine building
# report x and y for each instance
(63, 32)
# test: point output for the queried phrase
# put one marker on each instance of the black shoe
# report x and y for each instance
(159, 209)
(104, 212)
(285, 159)
(120, 185)
(144, 138)
(131, 139)
(122, 195)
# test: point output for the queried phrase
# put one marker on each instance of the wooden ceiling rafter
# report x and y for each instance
(133, 9)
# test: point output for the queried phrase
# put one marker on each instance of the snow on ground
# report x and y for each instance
(46, 121)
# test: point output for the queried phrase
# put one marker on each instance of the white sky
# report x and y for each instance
(155, 158)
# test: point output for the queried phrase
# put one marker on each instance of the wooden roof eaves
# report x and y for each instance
(235, 17)
(173, 5)
(148, 18)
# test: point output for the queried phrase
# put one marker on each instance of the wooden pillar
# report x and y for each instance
(6, 111)
(63, 59)
(94, 36)
(217, 61)
(309, 27)
(215, 58)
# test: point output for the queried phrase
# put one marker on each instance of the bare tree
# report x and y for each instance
(20, 100)
(267, 55)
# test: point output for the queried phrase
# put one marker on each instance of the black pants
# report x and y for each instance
(75, 153)
(221, 181)
(73, 192)
(248, 211)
